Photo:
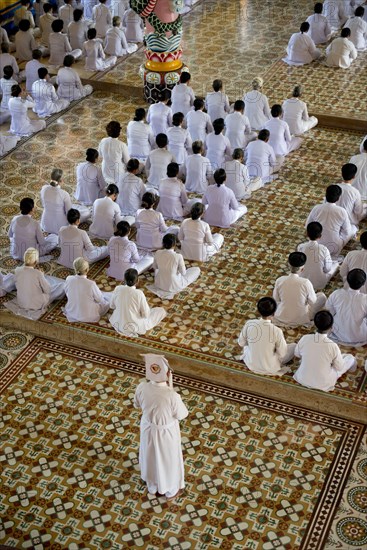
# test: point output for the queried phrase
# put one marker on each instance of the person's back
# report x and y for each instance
(102, 19)
(31, 73)
(156, 164)
(360, 182)
(56, 202)
(83, 299)
(178, 143)
(159, 118)
(72, 242)
(24, 232)
(170, 266)
(218, 149)
(221, 204)
(106, 214)
(335, 12)
(340, 53)
(336, 226)
(256, 108)
(77, 33)
(131, 191)
(24, 45)
(320, 29)
(293, 295)
(90, 182)
(198, 125)
(173, 198)
(134, 26)
(279, 135)
(123, 255)
(236, 126)
(6, 85)
(217, 105)
(46, 21)
(33, 290)
(351, 201)
(355, 259)
(358, 30)
(260, 158)
(198, 172)
(301, 49)
(237, 178)
(130, 310)
(182, 98)
(349, 308)
(66, 14)
(159, 404)
(8, 59)
(319, 266)
(59, 47)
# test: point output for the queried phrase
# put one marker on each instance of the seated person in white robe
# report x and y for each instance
(336, 12)
(171, 274)
(25, 232)
(301, 49)
(131, 189)
(114, 153)
(7, 59)
(358, 29)
(197, 241)
(106, 214)
(21, 125)
(341, 52)
(102, 18)
(256, 105)
(197, 171)
(77, 30)
(238, 178)
(216, 102)
(90, 183)
(31, 69)
(198, 123)
(261, 160)
(132, 315)
(7, 143)
(182, 95)
(179, 140)
(280, 137)
(75, 243)
(157, 162)
(319, 267)
(360, 181)
(45, 26)
(223, 209)
(150, 224)
(296, 115)
(295, 295)
(66, 12)
(124, 254)
(115, 42)
(60, 45)
(45, 97)
(6, 83)
(25, 42)
(322, 363)
(218, 146)
(356, 259)
(70, 86)
(7, 284)
(133, 26)
(24, 13)
(320, 30)
(140, 138)
(349, 308)
(336, 227)
(351, 198)
(238, 128)
(86, 303)
(95, 58)
(4, 38)
(264, 348)
(173, 201)
(159, 115)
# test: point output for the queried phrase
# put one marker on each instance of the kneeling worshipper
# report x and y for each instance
(86, 303)
(132, 315)
(296, 115)
(150, 224)
(140, 138)
(256, 105)
(238, 178)
(7, 81)
(341, 52)
(358, 29)
(131, 189)
(295, 295)
(238, 128)
(179, 140)
(35, 291)
(115, 42)
(159, 116)
(280, 137)
(160, 453)
(157, 162)
(173, 201)
(171, 275)
(90, 183)
(7, 284)
(216, 102)
(360, 181)
(45, 97)
(350, 198)
(223, 209)
(95, 58)
(320, 30)
(182, 95)
(197, 241)
(261, 160)
(301, 49)
(218, 146)
(124, 254)
(70, 86)
(197, 170)
(7, 143)
(322, 363)
(60, 45)
(133, 26)
(355, 259)
(21, 125)
(336, 12)
(114, 153)
(198, 123)
(106, 214)
(265, 350)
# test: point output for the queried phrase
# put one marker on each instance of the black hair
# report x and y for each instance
(263, 135)
(177, 119)
(161, 140)
(356, 278)
(111, 189)
(314, 230)
(36, 54)
(26, 205)
(239, 105)
(266, 306)
(238, 153)
(113, 129)
(132, 164)
(8, 72)
(349, 171)
(139, 114)
(57, 25)
(297, 259)
(15, 90)
(73, 215)
(363, 240)
(197, 147)
(169, 241)
(148, 200)
(91, 33)
(68, 60)
(47, 7)
(297, 91)
(305, 27)
(42, 72)
(198, 103)
(185, 77)
(276, 110)
(172, 169)
(217, 85)
(333, 193)
(323, 321)
(122, 229)
(359, 12)
(318, 7)
(345, 32)
(24, 25)
(131, 276)
(218, 126)
(220, 176)
(77, 14)
(197, 210)
(91, 154)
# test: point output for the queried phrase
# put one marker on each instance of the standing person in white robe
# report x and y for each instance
(159, 115)
(45, 26)
(198, 123)
(150, 224)
(356, 259)
(301, 49)
(256, 105)
(45, 97)
(179, 140)
(321, 360)
(157, 162)
(132, 315)
(280, 137)
(60, 45)
(95, 58)
(115, 41)
(360, 181)
(160, 453)
(140, 138)
(106, 214)
(295, 113)
(25, 42)
(21, 125)
(218, 146)
(86, 303)
(114, 153)
(102, 18)
(320, 30)
(78, 29)
(261, 160)
(25, 232)
(264, 349)
(197, 170)
(173, 201)
(334, 219)
(31, 69)
(75, 243)
(295, 295)
(133, 25)
(238, 128)
(131, 189)
(341, 52)
(319, 267)
(197, 241)
(124, 254)
(70, 86)
(358, 29)
(66, 13)
(90, 183)
(336, 12)
(223, 209)
(350, 198)
(216, 102)
(6, 84)
(238, 178)
(171, 275)
(182, 95)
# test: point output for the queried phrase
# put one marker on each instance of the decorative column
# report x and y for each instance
(163, 33)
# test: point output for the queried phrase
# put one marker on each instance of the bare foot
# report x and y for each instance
(179, 492)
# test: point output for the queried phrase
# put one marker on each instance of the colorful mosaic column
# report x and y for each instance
(163, 33)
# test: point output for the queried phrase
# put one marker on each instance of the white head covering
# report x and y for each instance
(156, 367)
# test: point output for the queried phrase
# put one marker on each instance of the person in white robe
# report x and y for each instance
(115, 41)
(301, 49)
(160, 454)
(337, 230)
(159, 115)
(21, 125)
(173, 201)
(264, 349)
(320, 30)
(216, 102)
(4, 39)
(66, 13)
(90, 183)
(70, 86)
(336, 12)
(7, 59)
(77, 30)
(31, 69)
(319, 267)
(256, 105)
(23, 13)
(280, 137)
(124, 254)
(197, 241)
(295, 295)
(35, 291)
(218, 146)
(341, 52)
(133, 25)
(95, 58)
(356, 259)
(150, 224)
(7, 143)
(358, 29)
(157, 162)
(25, 42)
(102, 18)
(179, 140)
(131, 189)
(322, 363)
(7, 284)
(295, 114)
(132, 316)
(88, 6)
(238, 179)
(360, 181)
(361, 147)
(261, 160)
(119, 7)
(45, 97)
(45, 26)
(182, 95)
(223, 209)
(75, 242)
(56, 204)
(350, 198)
(238, 128)
(60, 45)
(114, 152)
(197, 171)
(6, 84)
(140, 138)
(198, 123)
(106, 214)
(25, 232)
(86, 303)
